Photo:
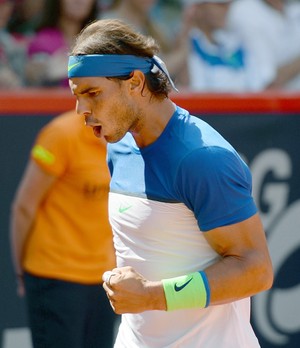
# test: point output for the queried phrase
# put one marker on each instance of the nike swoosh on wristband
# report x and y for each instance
(180, 287)
(123, 209)
(70, 67)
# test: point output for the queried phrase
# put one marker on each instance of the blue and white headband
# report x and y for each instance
(114, 65)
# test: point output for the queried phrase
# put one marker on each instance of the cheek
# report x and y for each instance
(115, 104)
(114, 110)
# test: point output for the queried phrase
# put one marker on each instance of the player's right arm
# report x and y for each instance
(30, 193)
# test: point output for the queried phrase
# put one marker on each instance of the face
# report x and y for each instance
(106, 106)
(6, 8)
(31, 8)
(212, 15)
(277, 4)
(77, 9)
(143, 6)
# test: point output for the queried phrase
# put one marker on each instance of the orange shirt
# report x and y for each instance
(71, 238)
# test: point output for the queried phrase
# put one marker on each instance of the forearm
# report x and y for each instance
(224, 282)
(230, 279)
(156, 296)
(31, 192)
(234, 278)
(20, 225)
(242, 269)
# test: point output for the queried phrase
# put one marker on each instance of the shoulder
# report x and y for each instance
(62, 120)
(211, 161)
(197, 144)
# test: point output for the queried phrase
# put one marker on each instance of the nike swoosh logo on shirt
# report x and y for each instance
(180, 287)
(123, 209)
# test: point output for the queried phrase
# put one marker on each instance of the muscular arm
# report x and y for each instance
(243, 270)
(32, 189)
(245, 266)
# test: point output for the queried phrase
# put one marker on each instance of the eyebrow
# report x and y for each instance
(86, 90)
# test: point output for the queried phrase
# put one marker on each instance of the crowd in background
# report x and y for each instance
(208, 45)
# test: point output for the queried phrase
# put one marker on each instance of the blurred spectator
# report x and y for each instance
(168, 14)
(12, 53)
(161, 20)
(25, 18)
(61, 237)
(271, 28)
(217, 59)
(175, 24)
(138, 14)
(48, 50)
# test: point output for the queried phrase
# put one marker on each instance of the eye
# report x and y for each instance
(93, 93)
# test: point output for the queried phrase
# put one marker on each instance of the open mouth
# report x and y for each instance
(97, 131)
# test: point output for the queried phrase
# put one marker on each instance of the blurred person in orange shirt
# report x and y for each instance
(61, 238)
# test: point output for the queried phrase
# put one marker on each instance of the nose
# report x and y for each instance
(91, 122)
(82, 109)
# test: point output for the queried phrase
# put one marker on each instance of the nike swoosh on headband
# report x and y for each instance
(70, 67)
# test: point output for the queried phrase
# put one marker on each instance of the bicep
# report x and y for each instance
(245, 267)
(238, 239)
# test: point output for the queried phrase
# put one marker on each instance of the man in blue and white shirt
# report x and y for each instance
(219, 60)
(190, 245)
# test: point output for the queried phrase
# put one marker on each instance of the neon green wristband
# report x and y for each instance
(188, 291)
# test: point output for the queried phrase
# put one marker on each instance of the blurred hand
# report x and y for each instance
(57, 66)
(20, 286)
(44, 69)
(36, 71)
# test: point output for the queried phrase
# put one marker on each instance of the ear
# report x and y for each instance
(137, 81)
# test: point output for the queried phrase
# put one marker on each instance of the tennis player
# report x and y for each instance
(190, 246)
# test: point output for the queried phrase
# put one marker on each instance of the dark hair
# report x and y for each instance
(113, 36)
(52, 12)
